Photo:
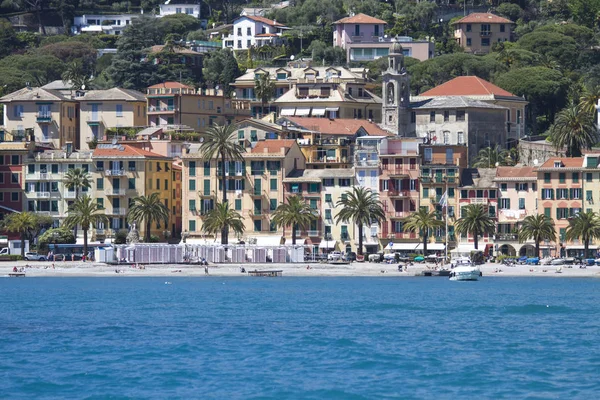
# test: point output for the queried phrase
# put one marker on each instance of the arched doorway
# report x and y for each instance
(527, 250)
(507, 250)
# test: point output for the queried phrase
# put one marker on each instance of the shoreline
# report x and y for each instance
(79, 269)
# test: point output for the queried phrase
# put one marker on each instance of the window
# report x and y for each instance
(575, 194)
(99, 183)
(239, 42)
(376, 30)
(588, 177)
(562, 177)
(562, 194)
(158, 184)
(328, 182)
(505, 204)
(446, 116)
(238, 204)
(131, 183)
(468, 42)
(192, 168)
(502, 28)
(432, 116)
(451, 192)
(547, 212)
(14, 196)
(314, 187)
(131, 165)
(14, 160)
(249, 31)
(248, 43)
(239, 31)
(547, 177)
(119, 110)
(522, 187)
(273, 184)
(468, 27)
(521, 204)
(192, 226)
(257, 225)
(460, 115)
(192, 184)
(492, 211)
(547, 194)
(485, 42)
(313, 204)
(425, 192)
(357, 30)
(344, 182)
(272, 204)
(428, 154)
(100, 202)
(589, 195)
(464, 194)
(192, 205)
(206, 168)
(14, 178)
(575, 177)
(447, 139)
(503, 187)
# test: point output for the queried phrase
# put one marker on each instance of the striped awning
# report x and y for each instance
(287, 111)
(302, 111)
(318, 111)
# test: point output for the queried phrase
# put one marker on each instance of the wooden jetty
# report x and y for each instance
(267, 273)
(16, 274)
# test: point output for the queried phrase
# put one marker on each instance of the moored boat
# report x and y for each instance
(465, 273)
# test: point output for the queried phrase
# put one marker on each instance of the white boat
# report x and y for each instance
(465, 273)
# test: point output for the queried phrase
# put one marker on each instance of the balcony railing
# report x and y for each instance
(485, 33)
(313, 233)
(507, 237)
(398, 193)
(114, 172)
(119, 211)
(44, 117)
(401, 235)
(69, 195)
(40, 195)
(159, 109)
(115, 192)
(400, 214)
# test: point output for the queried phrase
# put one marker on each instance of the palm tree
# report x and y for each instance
(76, 75)
(362, 207)
(489, 156)
(476, 221)
(148, 209)
(589, 100)
(222, 216)
(220, 141)
(76, 179)
(296, 213)
(574, 129)
(538, 227)
(20, 223)
(422, 222)
(264, 88)
(85, 212)
(584, 226)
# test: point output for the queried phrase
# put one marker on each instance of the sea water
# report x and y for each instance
(299, 338)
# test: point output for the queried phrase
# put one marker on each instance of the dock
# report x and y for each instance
(16, 274)
(267, 273)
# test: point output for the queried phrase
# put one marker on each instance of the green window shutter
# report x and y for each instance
(344, 196)
(192, 205)
(547, 212)
(207, 187)
(562, 234)
(451, 192)
(238, 204)
(425, 192)
(99, 183)
(561, 177)
(131, 183)
(240, 134)
(547, 177)
(575, 177)
(100, 202)
(552, 194)
(508, 203)
(588, 195)
(192, 226)
(328, 213)
(521, 204)
(570, 193)
(192, 184)
(206, 168)
(328, 197)
(273, 184)
(313, 204)
(192, 168)
(273, 204)
(492, 211)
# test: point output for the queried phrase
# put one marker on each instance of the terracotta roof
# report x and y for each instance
(178, 50)
(170, 85)
(273, 146)
(467, 86)
(575, 162)
(34, 94)
(123, 151)
(487, 18)
(265, 35)
(339, 126)
(360, 19)
(263, 20)
(515, 172)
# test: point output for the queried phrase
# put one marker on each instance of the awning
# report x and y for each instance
(302, 111)
(272, 240)
(580, 247)
(405, 246)
(432, 246)
(318, 111)
(299, 242)
(332, 109)
(287, 111)
(327, 244)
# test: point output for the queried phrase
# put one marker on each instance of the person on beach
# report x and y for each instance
(205, 270)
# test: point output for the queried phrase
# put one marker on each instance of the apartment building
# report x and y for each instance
(122, 172)
(168, 8)
(173, 103)
(254, 31)
(363, 38)
(108, 24)
(517, 199)
(12, 181)
(50, 116)
(254, 188)
(45, 190)
(477, 32)
(101, 110)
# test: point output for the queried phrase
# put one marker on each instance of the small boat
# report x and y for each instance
(465, 273)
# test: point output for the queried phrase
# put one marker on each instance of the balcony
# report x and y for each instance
(114, 172)
(44, 118)
(69, 195)
(398, 193)
(313, 233)
(39, 195)
(118, 211)
(485, 33)
(367, 163)
(397, 172)
(93, 119)
(40, 176)
(402, 235)
(161, 109)
(257, 213)
(257, 192)
(115, 192)
(400, 214)
(507, 237)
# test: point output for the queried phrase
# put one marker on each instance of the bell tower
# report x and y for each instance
(396, 94)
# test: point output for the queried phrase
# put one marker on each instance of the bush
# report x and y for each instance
(11, 257)
(121, 237)
(58, 235)
(154, 239)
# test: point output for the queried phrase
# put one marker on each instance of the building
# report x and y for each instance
(254, 31)
(162, 54)
(332, 92)
(50, 115)
(363, 38)
(109, 24)
(477, 32)
(252, 131)
(477, 89)
(323, 190)
(395, 108)
(561, 196)
(254, 188)
(173, 103)
(328, 143)
(101, 110)
(122, 172)
(517, 199)
(12, 181)
(45, 189)
(169, 8)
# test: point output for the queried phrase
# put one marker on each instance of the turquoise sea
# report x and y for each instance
(299, 338)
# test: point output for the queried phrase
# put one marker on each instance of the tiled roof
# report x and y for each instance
(482, 18)
(170, 85)
(262, 19)
(478, 178)
(360, 19)
(298, 73)
(34, 94)
(273, 146)
(515, 172)
(575, 162)
(265, 35)
(467, 86)
(113, 94)
(178, 50)
(339, 126)
(123, 151)
(452, 102)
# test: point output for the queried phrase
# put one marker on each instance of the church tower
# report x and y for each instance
(396, 94)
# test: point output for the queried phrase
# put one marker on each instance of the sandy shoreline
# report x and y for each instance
(78, 269)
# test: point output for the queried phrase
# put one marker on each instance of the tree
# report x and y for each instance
(221, 68)
(489, 156)
(77, 179)
(589, 99)
(510, 11)
(30, 5)
(220, 141)
(222, 218)
(56, 236)
(584, 226)
(537, 227)
(178, 24)
(86, 212)
(264, 88)
(75, 74)
(476, 221)
(38, 70)
(148, 209)
(296, 213)
(362, 207)
(20, 223)
(421, 222)
(574, 129)
(8, 38)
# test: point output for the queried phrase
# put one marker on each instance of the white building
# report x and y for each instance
(254, 31)
(179, 8)
(113, 24)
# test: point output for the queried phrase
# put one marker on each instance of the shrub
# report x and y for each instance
(58, 235)
(154, 239)
(121, 237)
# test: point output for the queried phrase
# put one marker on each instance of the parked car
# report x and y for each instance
(334, 256)
(33, 256)
(350, 256)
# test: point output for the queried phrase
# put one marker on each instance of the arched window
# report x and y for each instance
(390, 93)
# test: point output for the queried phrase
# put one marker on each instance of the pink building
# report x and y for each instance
(363, 38)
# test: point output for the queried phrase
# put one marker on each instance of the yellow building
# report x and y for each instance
(254, 188)
(112, 108)
(51, 115)
(122, 172)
